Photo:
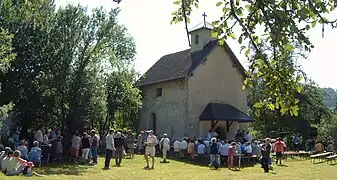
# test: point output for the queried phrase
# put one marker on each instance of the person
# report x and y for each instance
(164, 146)
(94, 146)
(5, 160)
(75, 147)
(130, 141)
(38, 136)
(110, 147)
(319, 148)
(232, 153)
(223, 150)
(85, 144)
(296, 142)
(119, 146)
(15, 139)
(59, 147)
(150, 150)
(279, 149)
(209, 135)
(248, 149)
(330, 147)
(35, 154)
(191, 149)
(28, 170)
(140, 141)
(176, 147)
(15, 164)
(23, 149)
(249, 137)
(4, 154)
(213, 151)
(201, 149)
(46, 148)
(183, 147)
(266, 160)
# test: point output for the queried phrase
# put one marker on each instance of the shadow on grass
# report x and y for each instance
(319, 162)
(204, 162)
(63, 169)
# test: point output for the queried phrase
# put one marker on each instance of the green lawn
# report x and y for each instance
(133, 169)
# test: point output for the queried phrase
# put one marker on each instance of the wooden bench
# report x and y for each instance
(331, 158)
(320, 156)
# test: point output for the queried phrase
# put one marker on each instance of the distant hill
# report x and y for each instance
(330, 97)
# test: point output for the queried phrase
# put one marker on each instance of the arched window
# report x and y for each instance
(153, 122)
(196, 39)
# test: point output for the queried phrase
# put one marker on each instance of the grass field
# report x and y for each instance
(175, 170)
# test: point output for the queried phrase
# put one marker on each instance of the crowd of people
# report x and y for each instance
(20, 157)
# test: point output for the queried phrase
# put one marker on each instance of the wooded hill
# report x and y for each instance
(330, 97)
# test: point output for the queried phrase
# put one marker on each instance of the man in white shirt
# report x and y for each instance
(176, 147)
(183, 147)
(248, 149)
(110, 147)
(201, 149)
(150, 149)
(224, 147)
(38, 136)
(165, 146)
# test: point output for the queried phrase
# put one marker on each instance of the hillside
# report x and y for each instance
(330, 97)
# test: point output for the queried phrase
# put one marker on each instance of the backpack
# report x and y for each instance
(215, 164)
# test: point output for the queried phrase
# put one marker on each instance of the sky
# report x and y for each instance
(148, 22)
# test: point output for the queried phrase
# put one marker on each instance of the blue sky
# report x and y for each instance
(148, 21)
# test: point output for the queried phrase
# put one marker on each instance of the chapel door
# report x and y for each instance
(153, 122)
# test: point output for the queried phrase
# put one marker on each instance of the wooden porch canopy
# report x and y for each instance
(216, 112)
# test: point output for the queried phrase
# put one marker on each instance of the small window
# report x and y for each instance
(196, 40)
(159, 92)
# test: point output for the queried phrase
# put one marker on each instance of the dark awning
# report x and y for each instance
(223, 112)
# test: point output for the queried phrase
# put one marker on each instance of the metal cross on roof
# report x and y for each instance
(204, 14)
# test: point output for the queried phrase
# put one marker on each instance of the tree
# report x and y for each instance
(312, 112)
(6, 56)
(285, 24)
(124, 99)
(64, 57)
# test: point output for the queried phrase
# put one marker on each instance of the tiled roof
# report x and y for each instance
(223, 112)
(181, 64)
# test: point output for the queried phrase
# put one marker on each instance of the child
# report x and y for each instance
(5, 160)
(28, 170)
(35, 154)
(15, 164)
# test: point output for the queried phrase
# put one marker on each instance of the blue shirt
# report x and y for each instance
(35, 154)
(242, 148)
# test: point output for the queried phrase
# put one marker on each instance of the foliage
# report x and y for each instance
(284, 26)
(6, 56)
(312, 111)
(64, 58)
(124, 100)
(327, 129)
